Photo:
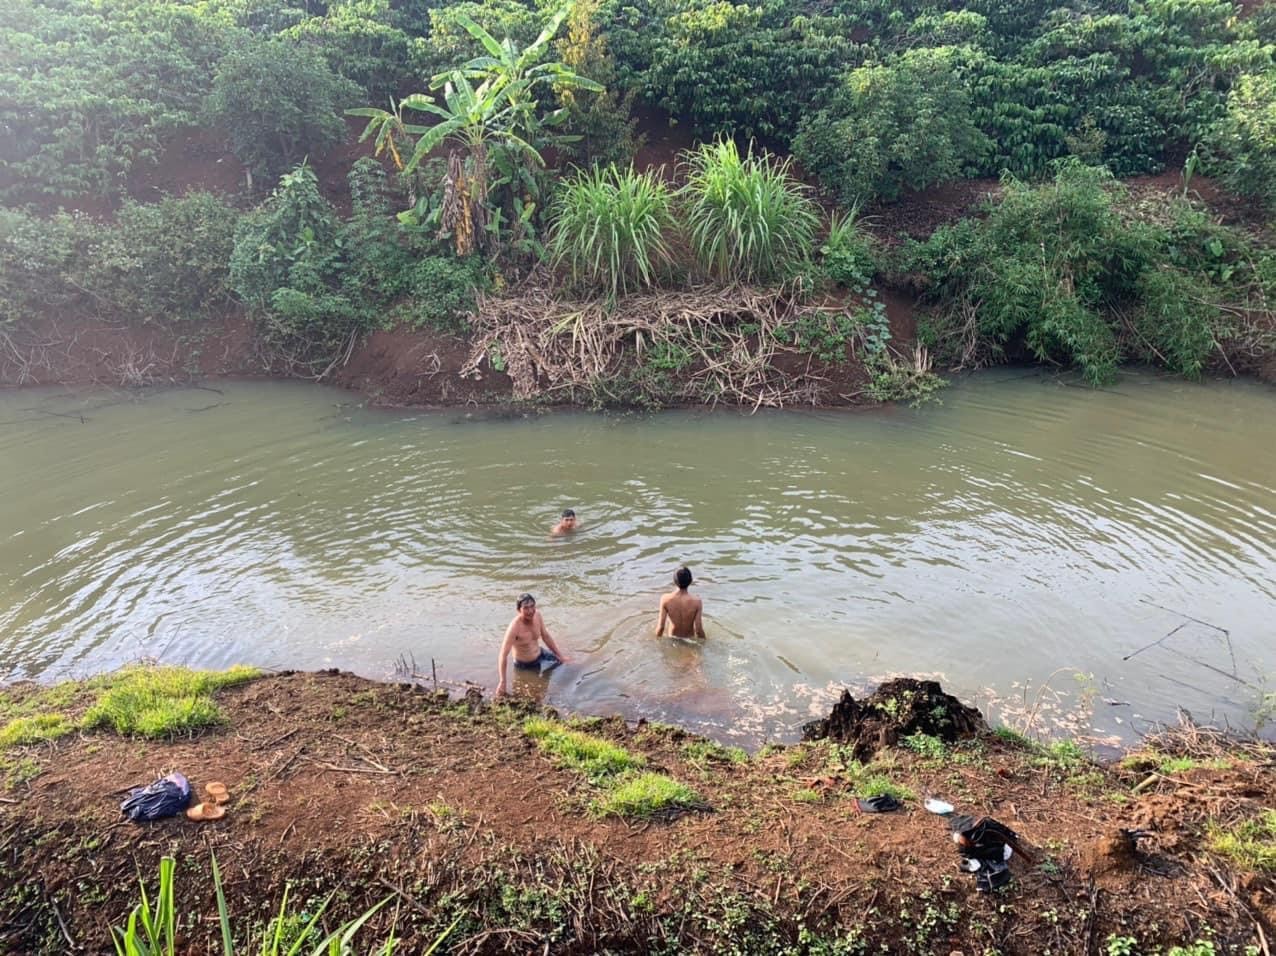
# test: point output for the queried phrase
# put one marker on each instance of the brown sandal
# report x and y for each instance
(206, 811)
(217, 792)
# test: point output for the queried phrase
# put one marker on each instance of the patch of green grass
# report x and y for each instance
(1250, 843)
(596, 758)
(1014, 738)
(161, 701)
(1173, 765)
(18, 772)
(1091, 782)
(646, 795)
(1063, 755)
(926, 745)
(33, 730)
(807, 795)
(870, 784)
(59, 697)
(706, 751)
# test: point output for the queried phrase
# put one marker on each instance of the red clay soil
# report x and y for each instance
(368, 790)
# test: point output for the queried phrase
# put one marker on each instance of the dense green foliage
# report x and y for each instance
(314, 281)
(1246, 137)
(279, 102)
(1068, 271)
(874, 99)
(889, 128)
(166, 261)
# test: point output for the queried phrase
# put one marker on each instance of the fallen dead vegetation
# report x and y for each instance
(730, 345)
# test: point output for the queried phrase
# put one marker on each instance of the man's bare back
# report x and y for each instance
(679, 611)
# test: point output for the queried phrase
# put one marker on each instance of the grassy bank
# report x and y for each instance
(492, 829)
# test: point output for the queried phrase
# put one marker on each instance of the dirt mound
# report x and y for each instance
(897, 709)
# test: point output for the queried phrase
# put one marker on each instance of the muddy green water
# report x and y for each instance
(1026, 531)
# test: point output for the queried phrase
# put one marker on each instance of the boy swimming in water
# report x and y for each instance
(566, 524)
(523, 637)
(680, 610)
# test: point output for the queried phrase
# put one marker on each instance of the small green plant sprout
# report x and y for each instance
(150, 930)
(646, 795)
(1121, 946)
(926, 745)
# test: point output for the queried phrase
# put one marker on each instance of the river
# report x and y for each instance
(1072, 560)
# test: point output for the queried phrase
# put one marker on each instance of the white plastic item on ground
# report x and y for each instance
(938, 806)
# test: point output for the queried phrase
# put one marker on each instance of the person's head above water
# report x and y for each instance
(526, 605)
(682, 577)
(566, 522)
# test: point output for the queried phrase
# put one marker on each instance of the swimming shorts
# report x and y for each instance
(546, 660)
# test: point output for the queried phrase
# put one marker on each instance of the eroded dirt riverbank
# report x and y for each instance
(449, 808)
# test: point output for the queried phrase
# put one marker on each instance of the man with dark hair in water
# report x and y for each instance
(523, 637)
(683, 612)
(566, 524)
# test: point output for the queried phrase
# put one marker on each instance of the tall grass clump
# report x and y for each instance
(749, 219)
(161, 701)
(609, 228)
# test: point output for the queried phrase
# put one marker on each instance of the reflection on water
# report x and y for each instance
(1025, 529)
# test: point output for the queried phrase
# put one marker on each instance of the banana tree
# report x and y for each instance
(489, 104)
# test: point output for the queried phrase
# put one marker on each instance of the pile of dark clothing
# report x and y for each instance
(985, 845)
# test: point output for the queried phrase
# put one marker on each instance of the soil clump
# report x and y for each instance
(897, 709)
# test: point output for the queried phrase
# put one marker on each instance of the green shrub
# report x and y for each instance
(602, 121)
(609, 228)
(91, 91)
(163, 261)
(748, 218)
(442, 290)
(1246, 138)
(847, 255)
(1061, 268)
(360, 42)
(890, 127)
(279, 102)
(167, 260)
(287, 266)
(730, 68)
(40, 261)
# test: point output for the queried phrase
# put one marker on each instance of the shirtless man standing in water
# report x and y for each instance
(682, 611)
(523, 636)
